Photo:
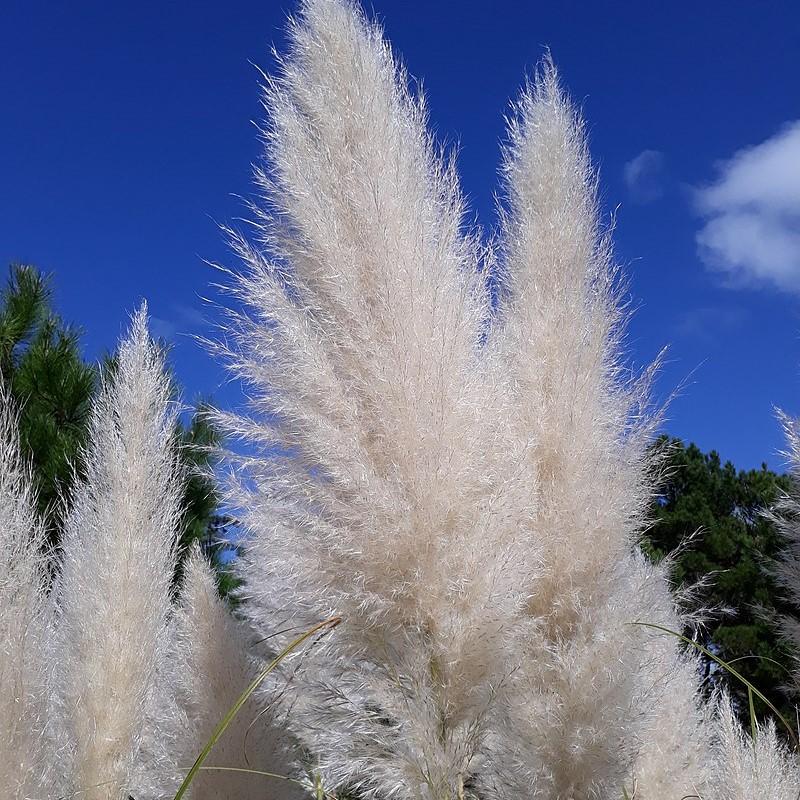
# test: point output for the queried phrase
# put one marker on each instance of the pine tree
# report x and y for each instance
(51, 386)
(708, 518)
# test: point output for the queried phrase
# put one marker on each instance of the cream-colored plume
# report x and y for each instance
(25, 766)
(113, 589)
(389, 492)
(213, 665)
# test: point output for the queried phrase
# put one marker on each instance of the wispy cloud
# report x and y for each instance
(184, 320)
(710, 324)
(752, 229)
(643, 176)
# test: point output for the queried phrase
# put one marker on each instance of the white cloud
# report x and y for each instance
(183, 321)
(752, 229)
(643, 176)
(710, 323)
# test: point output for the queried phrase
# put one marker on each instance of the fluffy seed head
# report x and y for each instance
(118, 560)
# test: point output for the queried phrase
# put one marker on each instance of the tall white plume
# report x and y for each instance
(388, 492)
(25, 766)
(213, 664)
(118, 561)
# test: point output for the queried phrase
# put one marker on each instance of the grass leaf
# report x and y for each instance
(243, 698)
(751, 690)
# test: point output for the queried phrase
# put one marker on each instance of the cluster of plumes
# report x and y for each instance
(446, 451)
(105, 692)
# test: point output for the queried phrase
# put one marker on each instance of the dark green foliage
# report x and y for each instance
(220, 549)
(735, 544)
(201, 521)
(196, 442)
(50, 385)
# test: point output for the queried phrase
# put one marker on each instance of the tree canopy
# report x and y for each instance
(712, 514)
(50, 384)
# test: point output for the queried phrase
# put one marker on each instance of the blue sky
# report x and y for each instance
(126, 136)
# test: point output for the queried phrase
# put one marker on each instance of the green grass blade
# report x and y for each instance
(753, 721)
(755, 657)
(244, 697)
(248, 771)
(728, 668)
